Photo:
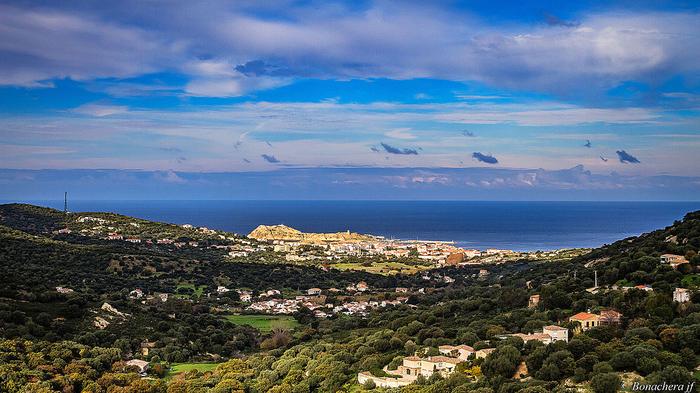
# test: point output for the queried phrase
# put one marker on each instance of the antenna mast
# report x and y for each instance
(65, 202)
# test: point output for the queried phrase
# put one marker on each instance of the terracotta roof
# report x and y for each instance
(456, 347)
(610, 314)
(584, 316)
(539, 336)
(554, 327)
(443, 359)
(413, 358)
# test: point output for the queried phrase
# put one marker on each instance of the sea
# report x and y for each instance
(521, 226)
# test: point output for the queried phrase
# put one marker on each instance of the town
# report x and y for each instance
(281, 244)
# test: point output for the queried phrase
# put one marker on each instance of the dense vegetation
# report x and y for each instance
(49, 341)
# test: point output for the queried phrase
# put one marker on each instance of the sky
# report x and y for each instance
(363, 99)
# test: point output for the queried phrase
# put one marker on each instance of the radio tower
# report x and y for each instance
(65, 203)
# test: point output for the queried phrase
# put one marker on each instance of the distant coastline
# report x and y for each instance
(519, 226)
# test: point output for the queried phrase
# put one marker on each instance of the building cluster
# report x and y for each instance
(673, 260)
(315, 301)
(414, 366)
(438, 253)
(276, 306)
(450, 356)
(549, 335)
(587, 320)
(117, 231)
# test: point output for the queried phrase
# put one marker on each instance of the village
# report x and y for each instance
(318, 249)
(293, 246)
(421, 365)
(349, 303)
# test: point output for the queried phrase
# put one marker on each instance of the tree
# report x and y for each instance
(503, 362)
(605, 383)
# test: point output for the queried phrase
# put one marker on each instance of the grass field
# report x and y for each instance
(385, 268)
(691, 281)
(198, 291)
(264, 323)
(177, 368)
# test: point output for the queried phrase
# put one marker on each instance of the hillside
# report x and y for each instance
(635, 260)
(77, 338)
(283, 232)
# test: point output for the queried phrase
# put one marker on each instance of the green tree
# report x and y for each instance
(502, 362)
(606, 383)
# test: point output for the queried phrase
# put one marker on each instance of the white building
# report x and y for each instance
(671, 258)
(681, 295)
(246, 297)
(557, 333)
(412, 367)
(462, 352)
(313, 291)
(136, 293)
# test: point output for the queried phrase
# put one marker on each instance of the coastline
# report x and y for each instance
(518, 226)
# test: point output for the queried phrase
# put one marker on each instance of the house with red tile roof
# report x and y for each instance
(586, 320)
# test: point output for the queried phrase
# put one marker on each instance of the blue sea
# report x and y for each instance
(509, 225)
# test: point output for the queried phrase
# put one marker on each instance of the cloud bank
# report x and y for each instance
(575, 183)
(231, 49)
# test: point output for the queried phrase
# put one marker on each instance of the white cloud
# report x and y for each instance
(40, 44)
(330, 41)
(219, 138)
(100, 110)
(400, 133)
(552, 116)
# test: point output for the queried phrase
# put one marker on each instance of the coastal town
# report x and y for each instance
(326, 250)
(287, 245)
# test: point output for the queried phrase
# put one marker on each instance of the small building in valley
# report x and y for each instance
(140, 365)
(557, 333)
(146, 347)
(681, 295)
(586, 320)
(610, 317)
(410, 369)
(534, 301)
(313, 291)
(672, 258)
(482, 353)
(461, 352)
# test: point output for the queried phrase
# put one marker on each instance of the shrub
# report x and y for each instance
(605, 383)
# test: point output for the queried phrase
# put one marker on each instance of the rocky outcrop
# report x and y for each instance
(283, 232)
(106, 315)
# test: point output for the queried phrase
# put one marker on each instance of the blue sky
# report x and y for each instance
(252, 87)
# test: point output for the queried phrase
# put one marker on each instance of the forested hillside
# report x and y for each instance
(50, 341)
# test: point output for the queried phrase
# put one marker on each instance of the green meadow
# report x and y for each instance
(264, 323)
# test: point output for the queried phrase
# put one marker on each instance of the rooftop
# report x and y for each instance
(554, 327)
(584, 316)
